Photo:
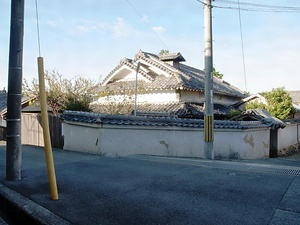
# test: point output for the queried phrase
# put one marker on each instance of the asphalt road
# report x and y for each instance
(161, 190)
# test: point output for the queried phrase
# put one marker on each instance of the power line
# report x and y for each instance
(147, 24)
(242, 42)
(201, 2)
(37, 26)
(256, 7)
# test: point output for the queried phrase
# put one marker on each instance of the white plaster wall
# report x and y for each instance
(194, 96)
(155, 97)
(119, 140)
(164, 142)
(81, 138)
(191, 96)
(225, 100)
(288, 136)
(132, 77)
(160, 97)
(242, 144)
(2, 122)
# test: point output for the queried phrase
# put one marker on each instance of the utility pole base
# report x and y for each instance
(208, 150)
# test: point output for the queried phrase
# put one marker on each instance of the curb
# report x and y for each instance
(22, 210)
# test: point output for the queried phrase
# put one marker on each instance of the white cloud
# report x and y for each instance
(117, 28)
(120, 28)
(158, 28)
(52, 23)
(145, 19)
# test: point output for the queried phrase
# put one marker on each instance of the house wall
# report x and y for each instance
(2, 122)
(225, 100)
(121, 140)
(191, 96)
(195, 96)
(159, 96)
(297, 115)
(288, 136)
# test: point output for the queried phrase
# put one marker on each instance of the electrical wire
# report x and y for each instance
(242, 42)
(201, 2)
(38, 27)
(256, 7)
(147, 24)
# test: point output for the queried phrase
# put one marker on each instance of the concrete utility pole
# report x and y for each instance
(14, 95)
(209, 107)
(136, 87)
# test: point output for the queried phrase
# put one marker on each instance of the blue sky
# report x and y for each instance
(89, 38)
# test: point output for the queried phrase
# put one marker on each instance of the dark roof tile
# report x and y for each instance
(85, 117)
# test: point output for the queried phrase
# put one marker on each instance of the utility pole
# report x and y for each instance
(14, 94)
(208, 91)
(136, 88)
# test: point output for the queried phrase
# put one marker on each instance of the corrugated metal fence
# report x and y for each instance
(32, 132)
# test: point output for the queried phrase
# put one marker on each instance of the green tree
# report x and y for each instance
(217, 73)
(163, 52)
(279, 103)
(255, 105)
(63, 94)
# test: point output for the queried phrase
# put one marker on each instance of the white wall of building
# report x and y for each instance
(121, 140)
(225, 100)
(154, 97)
(196, 96)
(191, 96)
(288, 136)
(2, 122)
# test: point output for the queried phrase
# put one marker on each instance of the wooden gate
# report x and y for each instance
(32, 131)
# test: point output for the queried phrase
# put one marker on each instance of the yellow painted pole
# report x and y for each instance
(46, 132)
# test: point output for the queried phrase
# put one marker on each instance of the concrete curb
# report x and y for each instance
(21, 210)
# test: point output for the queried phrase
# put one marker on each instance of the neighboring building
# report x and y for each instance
(241, 105)
(166, 86)
(295, 95)
(26, 101)
(3, 111)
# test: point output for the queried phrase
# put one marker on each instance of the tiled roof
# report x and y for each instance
(184, 78)
(171, 56)
(174, 109)
(93, 118)
(295, 95)
(183, 109)
(3, 102)
(263, 116)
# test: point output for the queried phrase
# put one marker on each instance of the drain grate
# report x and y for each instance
(281, 170)
(227, 165)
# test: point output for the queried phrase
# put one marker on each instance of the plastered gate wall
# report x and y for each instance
(120, 140)
(288, 136)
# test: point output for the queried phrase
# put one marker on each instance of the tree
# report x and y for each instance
(217, 74)
(255, 105)
(121, 102)
(279, 105)
(63, 94)
(163, 52)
